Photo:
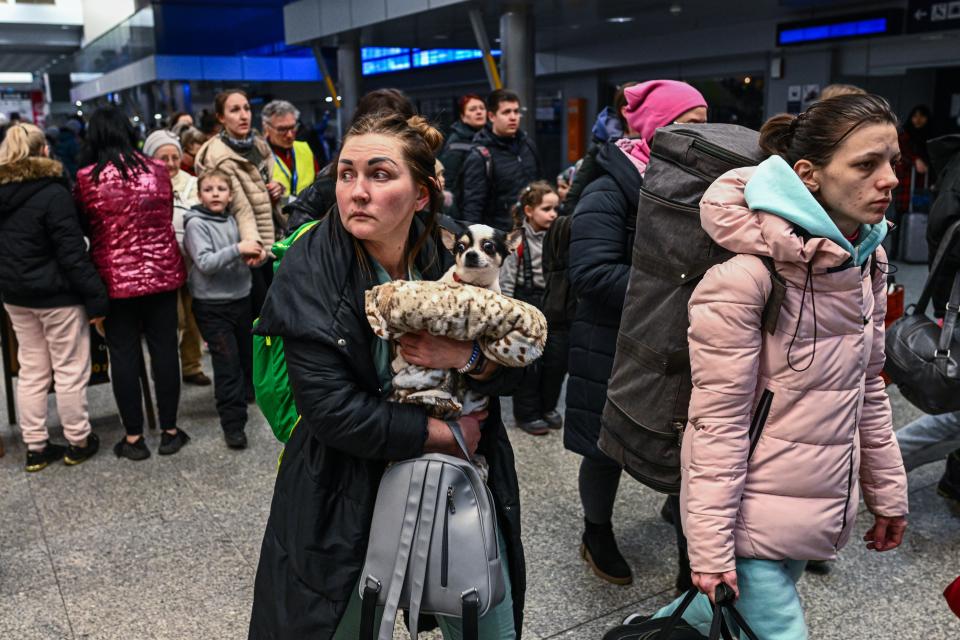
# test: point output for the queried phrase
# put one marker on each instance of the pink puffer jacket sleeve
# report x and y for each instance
(725, 340)
(882, 476)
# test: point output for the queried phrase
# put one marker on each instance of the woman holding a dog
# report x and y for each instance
(316, 535)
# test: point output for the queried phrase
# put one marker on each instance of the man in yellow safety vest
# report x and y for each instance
(295, 166)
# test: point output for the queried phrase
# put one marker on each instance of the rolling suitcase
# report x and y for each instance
(913, 224)
(675, 628)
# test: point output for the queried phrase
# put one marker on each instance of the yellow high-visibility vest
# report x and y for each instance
(303, 172)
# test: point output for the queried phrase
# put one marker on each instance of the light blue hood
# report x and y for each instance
(776, 189)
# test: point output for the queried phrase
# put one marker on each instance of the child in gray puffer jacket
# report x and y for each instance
(220, 282)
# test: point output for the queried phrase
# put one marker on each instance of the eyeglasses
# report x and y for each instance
(285, 130)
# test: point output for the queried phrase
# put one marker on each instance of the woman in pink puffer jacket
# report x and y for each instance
(786, 428)
(126, 202)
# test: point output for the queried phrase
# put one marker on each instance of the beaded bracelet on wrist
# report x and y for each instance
(474, 356)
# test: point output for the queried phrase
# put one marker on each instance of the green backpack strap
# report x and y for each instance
(270, 379)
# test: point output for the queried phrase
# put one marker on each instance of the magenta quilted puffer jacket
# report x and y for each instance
(130, 222)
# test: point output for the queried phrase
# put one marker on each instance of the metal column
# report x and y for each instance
(517, 60)
(489, 64)
(349, 74)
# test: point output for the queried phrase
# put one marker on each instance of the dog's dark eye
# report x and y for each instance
(459, 248)
(489, 248)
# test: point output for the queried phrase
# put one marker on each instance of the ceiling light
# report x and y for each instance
(78, 103)
(64, 26)
(329, 98)
(79, 113)
(339, 98)
(675, 9)
(575, 26)
(136, 118)
(157, 116)
(441, 36)
(620, 19)
(16, 77)
(747, 80)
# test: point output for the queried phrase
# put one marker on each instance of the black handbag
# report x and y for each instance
(674, 627)
(922, 357)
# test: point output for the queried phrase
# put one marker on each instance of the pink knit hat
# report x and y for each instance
(657, 103)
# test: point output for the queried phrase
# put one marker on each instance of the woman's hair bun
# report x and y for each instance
(776, 134)
(429, 133)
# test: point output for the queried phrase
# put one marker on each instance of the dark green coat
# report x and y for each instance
(316, 536)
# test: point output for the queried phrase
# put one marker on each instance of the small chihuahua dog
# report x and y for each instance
(479, 252)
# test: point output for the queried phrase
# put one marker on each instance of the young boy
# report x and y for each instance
(219, 282)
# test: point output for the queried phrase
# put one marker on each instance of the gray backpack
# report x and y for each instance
(433, 545)
(650, 385)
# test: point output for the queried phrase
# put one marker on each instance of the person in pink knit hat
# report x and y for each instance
(601, 242)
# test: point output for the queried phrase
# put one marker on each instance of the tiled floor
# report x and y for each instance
(167, 548)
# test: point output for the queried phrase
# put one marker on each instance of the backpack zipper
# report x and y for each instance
(445, 549)
(846, 501)
(683, 167)
(759, 419)
(672, 204)
(719, 153)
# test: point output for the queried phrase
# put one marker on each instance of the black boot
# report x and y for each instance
(949, 485)
(600, 550)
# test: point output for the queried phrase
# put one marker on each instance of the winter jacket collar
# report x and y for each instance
(33, 168)
(760, 229)
(462, 131)
(21, 180)
(487, 138)
(623, 172)
(216, 150)
(775, 188)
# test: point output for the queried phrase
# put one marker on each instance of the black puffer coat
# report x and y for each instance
(515, 165)
(601, 242)
(43, 258)
(945, 158)
(316, 536)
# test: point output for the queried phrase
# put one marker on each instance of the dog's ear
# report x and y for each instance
(449, 238)
(514, 238)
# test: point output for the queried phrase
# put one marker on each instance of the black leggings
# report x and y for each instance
(599, 481)
(155, 318)
(543, 381)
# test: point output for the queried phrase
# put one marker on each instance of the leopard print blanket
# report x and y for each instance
(509, 332)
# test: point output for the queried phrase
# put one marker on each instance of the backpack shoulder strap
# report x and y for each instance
(771, 309)
(421, 545)
(487, 160)
(460, 146)
(406, 534)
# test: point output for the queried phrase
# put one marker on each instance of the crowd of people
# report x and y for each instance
(169, 240)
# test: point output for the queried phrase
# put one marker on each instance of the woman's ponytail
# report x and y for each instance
(776, 134)
(22, 141)
(817, 133)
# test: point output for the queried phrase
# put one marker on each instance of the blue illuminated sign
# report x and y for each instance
(873, 24)
(389, 59)
(834, 31)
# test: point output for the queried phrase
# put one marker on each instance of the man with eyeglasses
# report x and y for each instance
(295, 167)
